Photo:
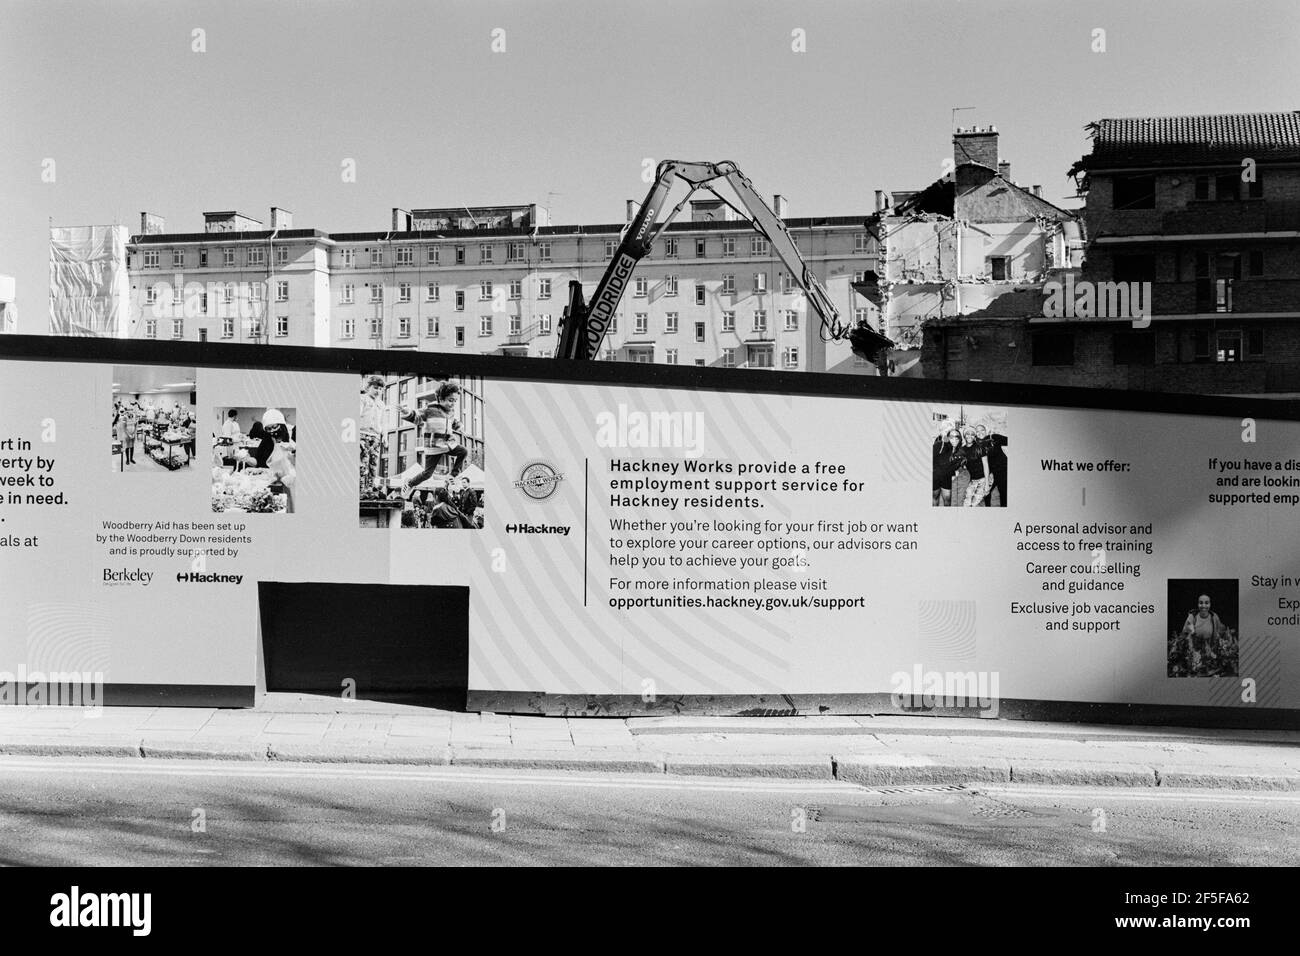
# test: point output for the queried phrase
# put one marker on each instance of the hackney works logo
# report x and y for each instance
(538, 480)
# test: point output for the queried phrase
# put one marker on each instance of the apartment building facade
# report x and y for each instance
(494, 280)
(1204, 209)
(402, 438)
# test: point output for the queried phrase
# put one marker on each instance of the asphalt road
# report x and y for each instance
(80, 811)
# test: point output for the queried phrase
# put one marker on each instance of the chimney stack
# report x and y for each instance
(151, 225)
(1038, 191)
(975, 144)
(1004, 170)
(631, 209)
(882, 203)
(778, 206)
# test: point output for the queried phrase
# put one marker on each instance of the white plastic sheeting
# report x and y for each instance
(88, 280)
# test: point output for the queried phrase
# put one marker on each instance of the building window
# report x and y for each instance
(349, 258)
(1229, 347)
(178, 329)
(1202, 188)
(612, 328)
(178, 259)
(514, 252)
(460, 300)
(791, 320)
(431, 292)
(178, 297)
(760, 320)
(728, 358)
(1134, 191)
(998, 270)
(403, 292)
(485, 290)
(609, 248)
(516, 324)
(641, 324)
(376, 293)
(228, 258)
(670, 323)
(699, 293)
(1255, 189)
(790, 357)
(760, 281)
(376, 257)
(699, 249)
(349, 292)
(787, 284)
(1134, 348)
(516, 289)
(228, 294)
(349, 329)
(1134, 268)
(728, 246)
(460, 255)
(203, 303)
(1200, 345)
(151, 328)
(728, 321)
(545, 353)
(377, 327)
(860, 243)
(281, 255)
(256, 256)
(485, 252)
(150, 295)
(484, 325)
(670, 285)
(404, 327)
(1053, 348)
(670, 248)
(670, 356)
(611, 355)
(431, 255)
(543, 252)
(699, 331)
(759, 246)
(151, 258)
(1255, 260)
(1227, 187)
(228, 327)
(256, 291)
(728, 285)
(460, 335)
(760, 356)
(282, 325)
(431, 328)
(405, 256)
(1255, 343)
(543, 325)
(282, 291)
(203, 258)
(860, 316)
(543, 288)
(699, 362)
(642, 287)
(643, 356)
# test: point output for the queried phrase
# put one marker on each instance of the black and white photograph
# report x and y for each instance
(422, 451)
(969, 454)
(662, 305)
(254, 459)
(153, 419)
(1203, 627)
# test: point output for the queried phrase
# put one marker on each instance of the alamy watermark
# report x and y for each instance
(920, 689)
(53, 689)
(1085, 299)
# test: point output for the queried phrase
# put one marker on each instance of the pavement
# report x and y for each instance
(871, 751)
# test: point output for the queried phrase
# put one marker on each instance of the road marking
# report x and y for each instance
(462, 775)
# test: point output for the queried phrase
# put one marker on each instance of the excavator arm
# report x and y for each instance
(585, 324)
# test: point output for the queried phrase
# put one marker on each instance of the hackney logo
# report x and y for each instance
(538, 480)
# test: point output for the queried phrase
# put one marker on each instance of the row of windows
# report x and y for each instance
(757, 357)
(404, 255)
(253, 256)
(1138, 190)
(253, 328)
(1139, 348)
(227, 295)
(487, 289)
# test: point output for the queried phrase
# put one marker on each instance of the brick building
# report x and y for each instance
(1206, 209)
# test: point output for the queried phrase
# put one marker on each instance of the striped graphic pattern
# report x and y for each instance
(906, 436)
(68, 637)
(1260, 658)
(947, 630)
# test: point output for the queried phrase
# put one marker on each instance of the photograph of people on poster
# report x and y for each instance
(1203, 621)
(421, 451)
(153, 418)
(254, 459)
(969, 453)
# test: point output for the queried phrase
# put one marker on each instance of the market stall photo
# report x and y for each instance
(153, 418)
(254, 460)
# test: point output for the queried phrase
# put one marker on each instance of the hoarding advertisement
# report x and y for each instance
(638, 548)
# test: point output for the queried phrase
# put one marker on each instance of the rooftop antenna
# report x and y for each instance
(956, 110)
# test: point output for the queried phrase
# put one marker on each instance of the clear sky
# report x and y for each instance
(412, 90)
